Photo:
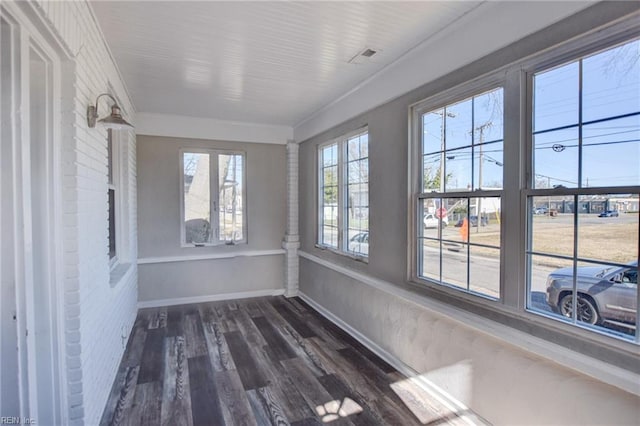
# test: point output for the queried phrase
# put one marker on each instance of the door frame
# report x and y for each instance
(35, 368)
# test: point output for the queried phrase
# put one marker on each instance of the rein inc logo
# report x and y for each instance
(4, 420)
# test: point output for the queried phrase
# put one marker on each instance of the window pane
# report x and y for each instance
(433, 131)
(555, 159)
(329, 202)
(430, 259)
(611, 153)
(607, 231)
(458, 125)
(231, 188)
(431, 172)
(488, 166)
(488, 125)
(484, 271)
(556, 97)
(483, 221)
(109, 157)
(552, 225)
(197, 201)
(455, 261)
(112, 223)
(539, 268)
(611, 82)
(357, 191)
(458, 172)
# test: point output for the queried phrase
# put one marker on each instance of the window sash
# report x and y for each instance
(214, 234)
(342, 184)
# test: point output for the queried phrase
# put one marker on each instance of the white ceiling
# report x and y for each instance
(260, 62)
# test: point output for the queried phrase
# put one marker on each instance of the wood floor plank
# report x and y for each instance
(274, 339)
(152, 357)
(115, 412)
(145, 409)
(270, 406)
(293, 319)
(175, 321)
(217, 347)
(176, 395)
(250, 375)
(205, 403)
(236, 408)
(341, 392)
(194, 335)
(247, 328)
(311, 390)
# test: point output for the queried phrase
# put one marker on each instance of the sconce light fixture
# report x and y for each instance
(113, 121)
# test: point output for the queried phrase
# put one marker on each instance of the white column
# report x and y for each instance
(291, 242)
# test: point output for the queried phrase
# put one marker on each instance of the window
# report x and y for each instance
(343, 214)
(460, 201)
(213, 197)
(534, 207)
(112, 194)
(582, 252)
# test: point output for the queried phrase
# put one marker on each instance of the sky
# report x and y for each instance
(607, 114)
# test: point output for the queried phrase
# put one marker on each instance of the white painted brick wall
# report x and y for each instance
(96, 313)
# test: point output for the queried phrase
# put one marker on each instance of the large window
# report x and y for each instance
(459, 205)
(213, 197)
(526, 189)
(582, 252)
(344, 194)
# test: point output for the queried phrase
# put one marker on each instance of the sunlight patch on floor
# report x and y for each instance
(333, 410)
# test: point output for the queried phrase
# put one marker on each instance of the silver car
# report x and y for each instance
(606, 294)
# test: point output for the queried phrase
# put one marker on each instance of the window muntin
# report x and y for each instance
(462, 151)
(343, 194)
(213, 206)
(584, 161)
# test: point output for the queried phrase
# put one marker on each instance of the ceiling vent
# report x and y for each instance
(363, 55)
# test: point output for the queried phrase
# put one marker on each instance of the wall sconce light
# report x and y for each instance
(113, 121)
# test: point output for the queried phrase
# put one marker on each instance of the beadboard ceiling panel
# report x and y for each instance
(261, 62)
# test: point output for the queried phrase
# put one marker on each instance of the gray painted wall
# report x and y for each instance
(159, 223)
(415, 335)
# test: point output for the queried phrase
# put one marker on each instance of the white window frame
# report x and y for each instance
(448, 97)
(517, 83)
(214, 195)
(113, 158)
(343, 204)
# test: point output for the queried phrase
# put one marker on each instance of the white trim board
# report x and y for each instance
(209, 256)
(600, 370)
(178, 126)
(209, 298)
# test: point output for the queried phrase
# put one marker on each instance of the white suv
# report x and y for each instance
(431, 221)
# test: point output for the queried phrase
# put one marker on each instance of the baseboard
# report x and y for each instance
(431, 388)
(209, 298)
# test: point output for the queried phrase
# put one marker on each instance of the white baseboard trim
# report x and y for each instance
(599, 370)
(209, 298)
(209, 256)
(431, 388)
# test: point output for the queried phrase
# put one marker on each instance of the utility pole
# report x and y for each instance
(480, 129)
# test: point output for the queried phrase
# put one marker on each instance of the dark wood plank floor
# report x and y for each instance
(266, 361)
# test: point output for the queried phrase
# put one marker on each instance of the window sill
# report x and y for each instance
(352, 256)
(119, 273)
(221, 244)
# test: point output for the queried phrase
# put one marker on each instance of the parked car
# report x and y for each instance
(359, 243)
(606, 294)
(431, 221)
(540, 210)
(609, 213)
(473, 221)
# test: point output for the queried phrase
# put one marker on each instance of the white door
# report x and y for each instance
(30, 301)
